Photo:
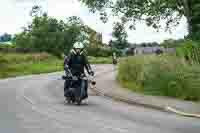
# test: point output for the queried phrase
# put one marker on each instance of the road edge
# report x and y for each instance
(156, 107)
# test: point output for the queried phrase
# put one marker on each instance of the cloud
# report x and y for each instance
(14, 14)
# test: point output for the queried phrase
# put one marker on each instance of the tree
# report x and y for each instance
(5, 37)
(43, 34)
(152, 12)
(76, 30)
(154, 44)
(120, 35)
(36, 11)
(51, 35)
(75, 20)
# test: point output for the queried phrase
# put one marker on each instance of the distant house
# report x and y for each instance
(148, 50)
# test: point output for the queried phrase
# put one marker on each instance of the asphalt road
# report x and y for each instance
(34, 104)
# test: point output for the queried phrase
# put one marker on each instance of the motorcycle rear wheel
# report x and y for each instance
(78, 101)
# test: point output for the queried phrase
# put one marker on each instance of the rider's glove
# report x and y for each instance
(91, 73)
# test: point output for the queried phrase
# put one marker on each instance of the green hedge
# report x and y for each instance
(101, 52)
(98, 52)
(100, 60)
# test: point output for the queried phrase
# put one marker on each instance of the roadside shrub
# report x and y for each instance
(99, 52)
(100, 60)
(190, 50)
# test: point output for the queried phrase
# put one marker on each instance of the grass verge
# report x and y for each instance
(160, 75)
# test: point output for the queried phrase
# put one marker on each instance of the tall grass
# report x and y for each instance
(17, 58)
(189, 49)
(15, 64)
(161, 75)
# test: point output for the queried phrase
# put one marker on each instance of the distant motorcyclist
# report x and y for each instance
(76, 62)
(114, 58)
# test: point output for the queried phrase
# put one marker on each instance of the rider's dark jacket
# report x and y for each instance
(76, 62)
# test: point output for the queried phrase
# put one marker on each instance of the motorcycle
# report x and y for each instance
(78, 87)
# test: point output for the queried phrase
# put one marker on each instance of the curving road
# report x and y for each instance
(34, 104)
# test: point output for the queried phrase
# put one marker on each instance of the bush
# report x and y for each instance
(99, 52)
(100, 60)
(190, 50)
(117, 51)
(102, 52)
(195, 36)
(161, 75)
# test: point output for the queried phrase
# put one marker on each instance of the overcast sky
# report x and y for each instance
(14, 14)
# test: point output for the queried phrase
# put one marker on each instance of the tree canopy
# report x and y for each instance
(152, 12)
(48, 34)
(5, 37)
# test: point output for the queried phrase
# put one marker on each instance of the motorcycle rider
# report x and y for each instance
(76, 61)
